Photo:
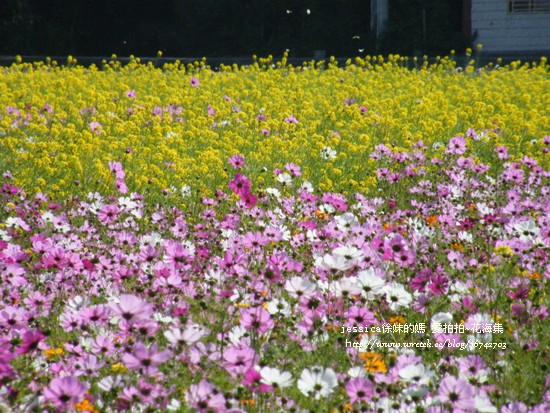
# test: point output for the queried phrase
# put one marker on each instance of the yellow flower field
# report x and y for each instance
(178, 125)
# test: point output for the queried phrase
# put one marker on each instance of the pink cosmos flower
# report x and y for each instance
(238, 359)
(65, 391)
(108, 213)
(457, 145)
(457, 392)
(359, 389)
(237, 161)
(96, 127)
(291, 119)
(194, 82)
(293, 169)
(257, 319)
(203, 398)
(146, 359)
(131, 308)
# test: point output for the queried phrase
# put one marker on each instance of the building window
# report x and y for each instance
(528, 6)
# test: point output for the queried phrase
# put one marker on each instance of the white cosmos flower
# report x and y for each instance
(275, 377)
(48, 216)
(273, 191)
(417, 373)
(349, 253)
(108, 383)
(333, 262)
(185, 191)
(465, 237)
(307, 186)
(4, 235)
(236, 333)
(346, 221)
(327, 209)
(527, 230)
(358, 371)
(440, 318)
(189, 336)
(397, 296)
(298, 287)
(174, 405)
(484, 209)
(127, 203)
(154, 239)
(284, 178)
(96, 206)
(277, 306)
(286, 232)
(370, 284)
(317, 382)
(328, 153)
(345, 287)
(484, 405)
(78, 302)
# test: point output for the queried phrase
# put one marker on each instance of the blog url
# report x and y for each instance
(447, 344)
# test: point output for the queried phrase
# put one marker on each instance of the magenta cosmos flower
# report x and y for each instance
(64, 391)
(240, 185)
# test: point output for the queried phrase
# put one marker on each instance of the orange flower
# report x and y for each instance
(321, 215)
(86, 406)
(52, 352)
(432, 221)
(534, 275)
(374, 363)
(457, 247)
(397, 320)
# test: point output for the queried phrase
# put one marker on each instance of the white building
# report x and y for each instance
(504, 26)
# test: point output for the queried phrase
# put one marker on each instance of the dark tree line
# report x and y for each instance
(196, 28)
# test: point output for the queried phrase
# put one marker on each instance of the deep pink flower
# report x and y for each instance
(240, 185)
(32, 340)
(252, 380)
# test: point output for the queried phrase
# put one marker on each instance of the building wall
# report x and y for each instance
(499, 30)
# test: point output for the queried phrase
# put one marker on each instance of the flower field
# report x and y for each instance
(323, 238)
